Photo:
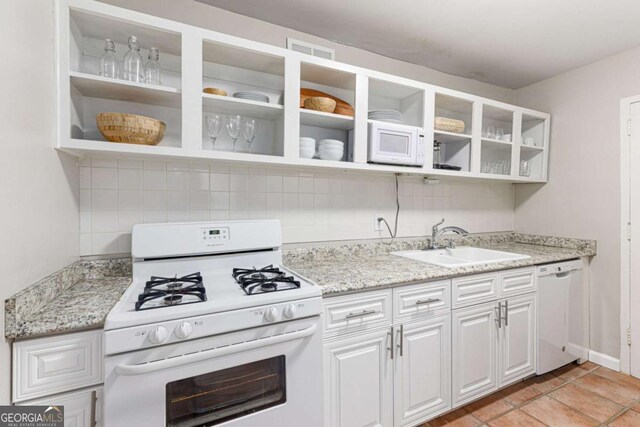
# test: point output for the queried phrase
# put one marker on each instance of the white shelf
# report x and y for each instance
(325, 120)
(88, 146)
(243, 107)
(445, 137)
(121, 90)
(496, 144)
(531, 148)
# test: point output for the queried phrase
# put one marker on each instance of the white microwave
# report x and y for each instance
(395, 144)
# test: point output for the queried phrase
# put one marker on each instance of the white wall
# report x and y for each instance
(582, 198)
(38, 185)
(205, 16)
(114, 195)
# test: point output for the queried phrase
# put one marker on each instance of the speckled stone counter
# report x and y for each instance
(75, 298)
(358, 267)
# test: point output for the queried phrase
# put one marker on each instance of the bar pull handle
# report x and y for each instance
(499, 315)
(506, 313)
(94, 399)
(401, 343)
(361, 314)
(391, 348)
(427, 301)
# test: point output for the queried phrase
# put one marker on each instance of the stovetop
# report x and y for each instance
(255, 281)
(161, 292)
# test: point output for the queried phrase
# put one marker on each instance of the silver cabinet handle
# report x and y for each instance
(499, 315)
(391, 348)
(361, 314)
(94, 399)
(506, 313)
(427, 301)
(401, 343)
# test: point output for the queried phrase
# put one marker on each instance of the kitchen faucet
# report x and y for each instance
(436, 232)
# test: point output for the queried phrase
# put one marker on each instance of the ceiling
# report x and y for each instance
(509, 43)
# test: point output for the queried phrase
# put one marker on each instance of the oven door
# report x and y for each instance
(393, 144)
(266, 376)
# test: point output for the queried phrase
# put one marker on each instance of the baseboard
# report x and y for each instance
(604, 360)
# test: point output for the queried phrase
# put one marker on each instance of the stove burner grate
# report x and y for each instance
(172, 290)
(267, 279)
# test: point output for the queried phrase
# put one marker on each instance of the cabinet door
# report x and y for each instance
(359, 381)
(474, 347)
(423, 371)
(517, 338)
(80, 407)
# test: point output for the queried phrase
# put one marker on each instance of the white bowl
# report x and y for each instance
(309, 142)
(331, 154)
(330, 142)
(332, 146)
(307, 153)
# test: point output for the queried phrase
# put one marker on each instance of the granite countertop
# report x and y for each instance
(81, 295)
(75, 298)
(354, 268)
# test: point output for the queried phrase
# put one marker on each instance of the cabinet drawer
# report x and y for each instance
(474, 289)
(516, 282)
(81, 408)
(417, 301)
(357, 312)
(53, 365)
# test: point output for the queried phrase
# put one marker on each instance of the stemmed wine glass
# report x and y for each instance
(214, 124)
(234, 124)
(250, 127)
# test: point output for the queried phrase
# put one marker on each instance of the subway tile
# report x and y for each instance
(85, 222)
(238, 182)
(104, 243)
(177, 180)
(84, 178)
(236, 215)
(257, 183)
(238, 201)
(129, 200)
(85, 200)
(154, 164)
(219, 215)
(273, 184)
(104, 163)
(151, 217)
(124, 242)
(104, 221)
(257, 201)
(129, 179)
(219, 200)
(274, 201)
(178, 166)
(198, 215)
(177, 200)
(320, 185)
(290, 184)
(219, 182)
(104, 178)
(155, 180)
(177, 216)
(85, 244)
(129, 164)
(198, 181)
(154, 200)
(199, 201)
(305, 184)
(104, 200)
(127, 219)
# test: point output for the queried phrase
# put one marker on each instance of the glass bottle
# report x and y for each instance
(133, 66)
(152, 72)
(108, 61)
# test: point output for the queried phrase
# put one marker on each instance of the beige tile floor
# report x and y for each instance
(574, 395)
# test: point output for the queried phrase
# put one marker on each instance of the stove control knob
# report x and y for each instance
(158, 335)
(271, 315)
(289, 311)
(183, 330)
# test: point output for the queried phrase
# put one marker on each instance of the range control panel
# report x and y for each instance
(214, 234)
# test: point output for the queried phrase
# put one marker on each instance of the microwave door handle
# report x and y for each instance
(145, 368)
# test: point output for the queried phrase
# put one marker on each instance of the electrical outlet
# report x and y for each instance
(377, 222)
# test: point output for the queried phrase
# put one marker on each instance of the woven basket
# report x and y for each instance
(448, 125)
(130, 128)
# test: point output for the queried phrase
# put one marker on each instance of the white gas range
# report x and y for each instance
(213, 331)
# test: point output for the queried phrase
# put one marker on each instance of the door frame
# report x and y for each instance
(625, 247)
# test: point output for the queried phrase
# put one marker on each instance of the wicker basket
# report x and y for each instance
(448, 125)
(130, 128)
(215, 91)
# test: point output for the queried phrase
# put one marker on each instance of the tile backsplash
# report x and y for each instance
(116, 194)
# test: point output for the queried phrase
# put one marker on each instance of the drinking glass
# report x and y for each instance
(249, 129)
(214, 124)
(234, 124)
(491, 132)
(500, 134)
(525, 168)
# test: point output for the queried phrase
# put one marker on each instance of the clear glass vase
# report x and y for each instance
(133, 66)
(152, 72)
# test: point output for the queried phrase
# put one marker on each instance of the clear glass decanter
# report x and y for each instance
(108, 61)
(133, 66)
(152, 72)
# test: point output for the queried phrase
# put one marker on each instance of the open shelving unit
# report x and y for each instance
(194, 58)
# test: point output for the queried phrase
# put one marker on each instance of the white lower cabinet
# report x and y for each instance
(359, 380)
(493, 345)
(422, 371)
(474, 346)
(81, 408)
(518, 339)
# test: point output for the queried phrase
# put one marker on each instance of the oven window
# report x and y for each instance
(394, 143)
(217, 397)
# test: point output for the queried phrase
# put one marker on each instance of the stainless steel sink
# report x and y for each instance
(463, 256)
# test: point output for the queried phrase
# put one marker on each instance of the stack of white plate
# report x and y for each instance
(330, 149)
(252, 96)
(392, 116)
(307, 147)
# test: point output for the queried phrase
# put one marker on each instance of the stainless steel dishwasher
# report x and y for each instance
(562, 333)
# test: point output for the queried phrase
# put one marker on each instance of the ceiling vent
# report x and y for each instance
(311, 49)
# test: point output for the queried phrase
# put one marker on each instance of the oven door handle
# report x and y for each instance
(145, 368)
